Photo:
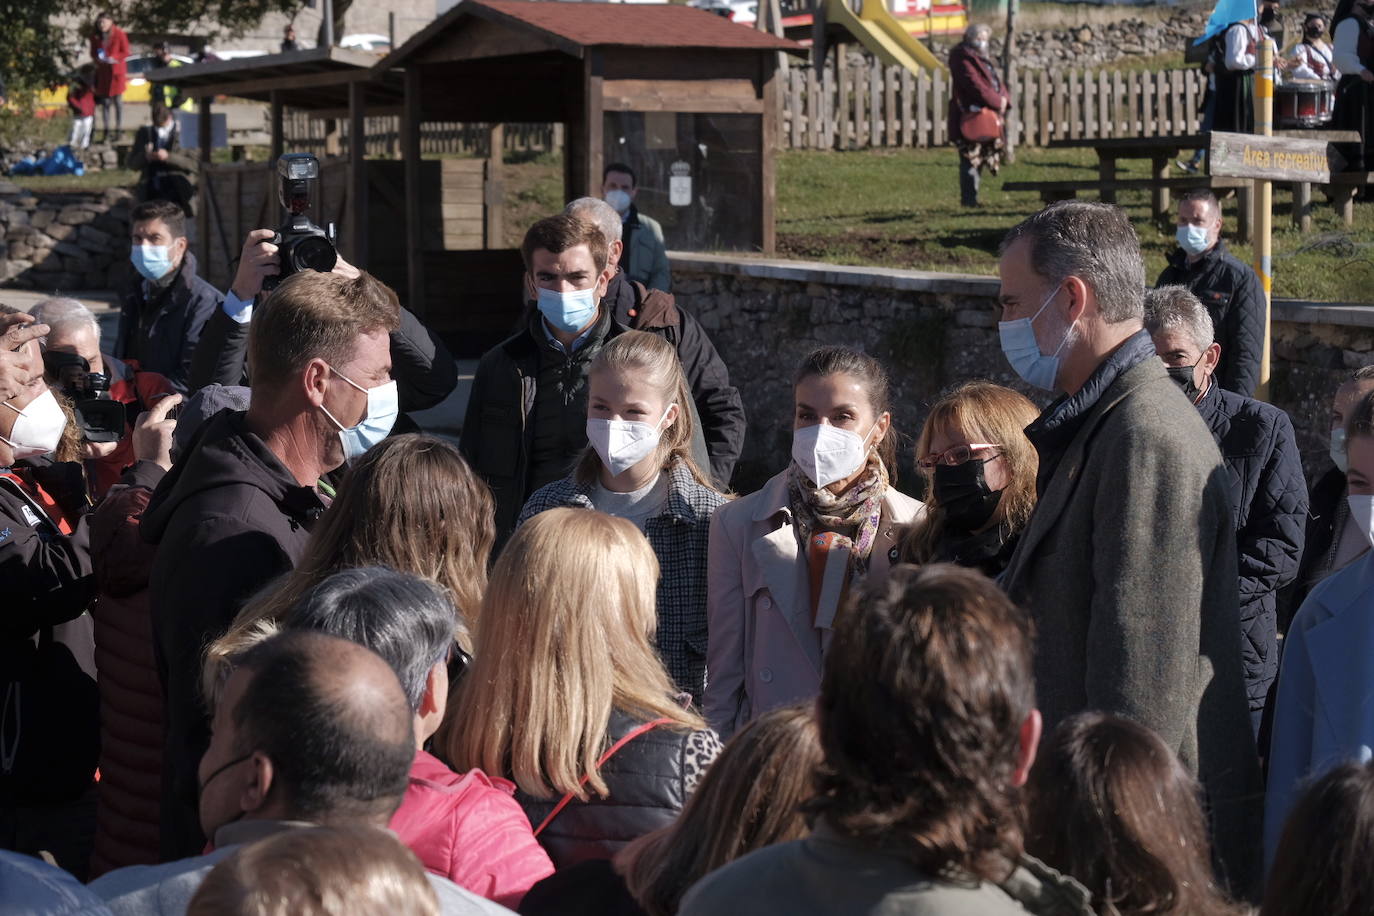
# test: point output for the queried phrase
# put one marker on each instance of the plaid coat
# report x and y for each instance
(679, 537)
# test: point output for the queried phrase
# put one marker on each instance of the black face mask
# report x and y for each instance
(1315, 33)
(1183, 377)
(1268, 15)
(962, 492)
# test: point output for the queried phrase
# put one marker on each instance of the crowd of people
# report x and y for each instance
(323, 662)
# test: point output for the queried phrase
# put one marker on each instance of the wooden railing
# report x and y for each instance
(868, 105)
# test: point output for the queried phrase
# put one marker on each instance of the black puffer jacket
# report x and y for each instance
(649, 780)
(1269, 499)
(162, 334)
(227, 519)
(1234, 298)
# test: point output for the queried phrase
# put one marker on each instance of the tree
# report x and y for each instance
(38, 48)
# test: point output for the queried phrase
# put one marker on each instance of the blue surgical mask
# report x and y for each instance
(570, 311)
(1339, 457)
(1022, 351)
(1193, 239)
(620, 200)
(382, 407)
(152, 261)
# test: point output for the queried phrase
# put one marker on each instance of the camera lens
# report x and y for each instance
(314, 253)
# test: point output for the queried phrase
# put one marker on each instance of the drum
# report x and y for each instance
(1304, 103)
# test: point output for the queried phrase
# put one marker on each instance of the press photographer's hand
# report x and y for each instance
(258, 261)
(153, 432)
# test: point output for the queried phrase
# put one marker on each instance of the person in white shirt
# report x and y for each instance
(1353, 53)
(1312, 58)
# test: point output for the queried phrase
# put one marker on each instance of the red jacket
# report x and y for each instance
(111, 74)
(470, 830)
(131, 729)
(974, 81)
(81, 100)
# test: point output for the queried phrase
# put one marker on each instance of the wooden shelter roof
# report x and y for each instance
(574, 27)
(315, 79)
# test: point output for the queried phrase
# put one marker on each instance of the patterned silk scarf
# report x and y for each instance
(854, 514)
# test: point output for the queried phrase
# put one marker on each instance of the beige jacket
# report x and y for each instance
(763, 650)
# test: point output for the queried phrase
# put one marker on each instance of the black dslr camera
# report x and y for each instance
(301, 244)
(102, 419)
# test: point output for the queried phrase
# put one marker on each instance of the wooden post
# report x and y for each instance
(922, 109)
(1160, 203)
(204, 138)
(904, 108)
(1264, 202)
(1302, 205)
(356, 242)
(1106, 172)
(333, 146)
(595, 113)
(890, 105)
(768, 156)
(875, 104)
(410, 153)
(842, 109)
(1008, 73)
(493, 190)
(278, 126)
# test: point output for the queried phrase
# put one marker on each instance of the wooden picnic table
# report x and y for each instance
(1163, 150)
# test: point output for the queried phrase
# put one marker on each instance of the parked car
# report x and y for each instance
(54, 101)
(743, 11)
(366, 41)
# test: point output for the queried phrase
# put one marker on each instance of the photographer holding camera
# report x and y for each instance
(108, 394)
(424, 370)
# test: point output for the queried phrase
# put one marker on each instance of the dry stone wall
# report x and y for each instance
(933, 331)
(63, 241)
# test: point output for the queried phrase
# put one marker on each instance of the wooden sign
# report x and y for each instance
(1272, 158)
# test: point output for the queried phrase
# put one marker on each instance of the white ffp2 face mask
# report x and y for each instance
(1362, 514)
(827, 453)
(622, 444)
(38, 429)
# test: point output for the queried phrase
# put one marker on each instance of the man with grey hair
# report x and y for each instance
(71, 359)
(1128, 565)
(1268, 493)
(464, 826)
(633, 305)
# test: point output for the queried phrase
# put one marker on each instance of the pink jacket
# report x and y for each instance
(469, 829)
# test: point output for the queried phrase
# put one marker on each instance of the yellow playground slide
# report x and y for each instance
(879, 31)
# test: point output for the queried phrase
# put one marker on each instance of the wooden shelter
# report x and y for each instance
(234, 198)
(688, 99)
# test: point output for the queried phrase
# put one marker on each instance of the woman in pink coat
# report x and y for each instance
(110, 50)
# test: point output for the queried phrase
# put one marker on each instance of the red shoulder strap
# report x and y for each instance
(42, 499)
(610, 752)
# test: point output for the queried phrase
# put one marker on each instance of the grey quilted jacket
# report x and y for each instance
(679, 536)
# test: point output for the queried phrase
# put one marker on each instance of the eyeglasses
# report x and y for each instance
(957, 455)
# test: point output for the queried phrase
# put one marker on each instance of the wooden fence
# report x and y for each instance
(868, 105)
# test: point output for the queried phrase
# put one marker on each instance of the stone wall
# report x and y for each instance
(935, 330)
(63, 241)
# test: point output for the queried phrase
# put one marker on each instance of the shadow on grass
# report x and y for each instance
(982, 238)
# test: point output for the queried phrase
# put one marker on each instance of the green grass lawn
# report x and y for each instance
(900, 208)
